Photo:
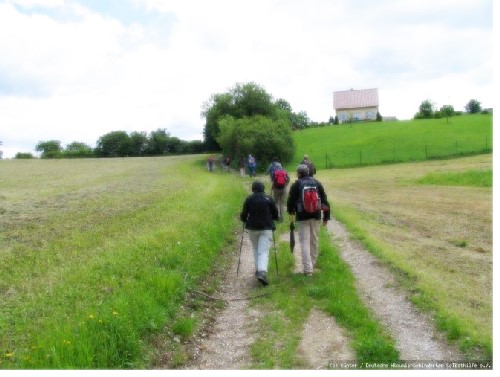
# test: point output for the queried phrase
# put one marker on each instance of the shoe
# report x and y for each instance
(261, 277)
(308, 274)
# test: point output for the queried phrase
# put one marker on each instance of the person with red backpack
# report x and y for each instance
(280, 180)
(306, 201)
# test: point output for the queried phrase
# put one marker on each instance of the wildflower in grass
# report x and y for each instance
(115, 313)
(91, 316)
(66, 342)
(9, 354)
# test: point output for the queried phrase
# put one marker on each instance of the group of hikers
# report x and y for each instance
(306, 203)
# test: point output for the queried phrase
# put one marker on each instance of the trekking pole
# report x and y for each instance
(241, 247)
(275, 254)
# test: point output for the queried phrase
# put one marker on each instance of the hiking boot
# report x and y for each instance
(261, 277)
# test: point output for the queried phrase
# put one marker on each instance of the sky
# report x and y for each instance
(75, 70)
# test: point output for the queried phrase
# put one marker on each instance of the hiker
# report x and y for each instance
(306, 200)
(280, 181)
(242, 166)
(210, 163)
(258, 214)
(226, 163)
(307, 161)
(251, 165)
(271, 167)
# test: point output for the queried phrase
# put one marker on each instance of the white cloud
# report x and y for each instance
(70, 71)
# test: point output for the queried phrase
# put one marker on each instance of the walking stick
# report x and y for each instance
(275, 254)
(241, 247)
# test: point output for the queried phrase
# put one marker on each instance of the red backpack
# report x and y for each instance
(279, 178)
(310, 201)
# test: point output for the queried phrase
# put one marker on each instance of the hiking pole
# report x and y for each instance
(275, 254)
(241, 247)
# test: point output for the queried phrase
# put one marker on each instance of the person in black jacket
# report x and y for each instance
(259, 213)
(308, 223)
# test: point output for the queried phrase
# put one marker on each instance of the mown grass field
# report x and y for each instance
(96, 257)
(432, 222)
(360, 144)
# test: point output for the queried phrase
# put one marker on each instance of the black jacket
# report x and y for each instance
(259, 212)
(294, 198)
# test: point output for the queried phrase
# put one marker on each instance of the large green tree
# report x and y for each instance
(243, 100)
(263, 137)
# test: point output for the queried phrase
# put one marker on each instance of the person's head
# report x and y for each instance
(277, 166)
(302, 170)
(257, 186)
(275, 159)
(306, 157)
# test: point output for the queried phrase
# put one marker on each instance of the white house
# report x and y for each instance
(356, 104)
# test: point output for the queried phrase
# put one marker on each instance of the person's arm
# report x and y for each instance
(244, 212)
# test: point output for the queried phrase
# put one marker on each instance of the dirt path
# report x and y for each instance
(416, 338)
(227, 346)
(323, 340)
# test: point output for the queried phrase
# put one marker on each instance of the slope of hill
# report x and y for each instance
(390, 142)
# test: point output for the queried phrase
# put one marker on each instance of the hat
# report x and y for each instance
(306, 157)
(302, 170)
(257, 186)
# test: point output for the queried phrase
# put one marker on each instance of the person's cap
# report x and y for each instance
(302, 169)
(306, 157)
(257, 186)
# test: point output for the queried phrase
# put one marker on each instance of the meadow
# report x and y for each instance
(362, 144)
(98, 256)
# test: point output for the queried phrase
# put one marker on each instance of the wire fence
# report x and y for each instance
(376, 155)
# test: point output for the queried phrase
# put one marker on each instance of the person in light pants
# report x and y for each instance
(259, 213)
(308, 222)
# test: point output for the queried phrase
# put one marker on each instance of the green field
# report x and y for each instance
(361, 144)
(97, 256)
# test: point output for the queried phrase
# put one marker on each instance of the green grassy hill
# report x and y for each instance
(389, 142)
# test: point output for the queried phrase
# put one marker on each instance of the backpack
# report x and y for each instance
(279, 178)
(310, 201)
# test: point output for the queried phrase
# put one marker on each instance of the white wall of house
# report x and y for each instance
(366, 113)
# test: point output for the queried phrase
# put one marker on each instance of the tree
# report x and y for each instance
(426, 109)
(378, 117)
(49, 149)
(473, 106)
(78, 150)
(448, 111)
(243, 100)
(139, 143)
(114, 144)
(159, 142)
(300, 120)
(23, 156)
(261, 136)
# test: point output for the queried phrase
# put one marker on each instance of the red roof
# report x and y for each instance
(352, 99)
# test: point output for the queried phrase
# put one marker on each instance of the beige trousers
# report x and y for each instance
(309, 242)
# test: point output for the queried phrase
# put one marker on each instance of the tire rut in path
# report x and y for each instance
(228, 344)
(414, 332)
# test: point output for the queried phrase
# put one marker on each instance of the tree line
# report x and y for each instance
(428, 110)
(119, 144)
